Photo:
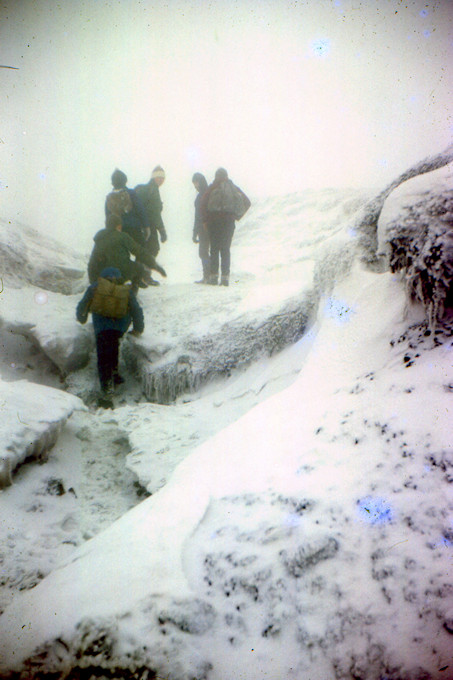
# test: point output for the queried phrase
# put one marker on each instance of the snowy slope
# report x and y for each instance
(312, 534)
(301, 518)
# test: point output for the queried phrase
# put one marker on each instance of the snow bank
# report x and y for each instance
(32, 418)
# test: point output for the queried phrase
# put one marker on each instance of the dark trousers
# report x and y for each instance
(133, 227)
(203, 252)
(221, 230)
(107, 347)
(152, 244)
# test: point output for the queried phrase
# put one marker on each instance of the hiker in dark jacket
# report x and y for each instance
(149, 196)
(124, 202)
(108, 332)
(200, 233)
(219, 219)
(113, 248)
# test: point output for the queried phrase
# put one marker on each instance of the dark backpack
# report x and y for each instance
(119, 202)
(226, 198)
(110, 299)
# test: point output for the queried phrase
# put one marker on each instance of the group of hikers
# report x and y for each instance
(134, 227)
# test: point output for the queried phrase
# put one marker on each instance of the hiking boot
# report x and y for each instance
(225, 280)
(106, 397)
(203, 280)
(105, 402)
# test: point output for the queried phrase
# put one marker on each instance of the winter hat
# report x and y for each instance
(111, 273)
(119, 179)
(221, 174)
(158, 172)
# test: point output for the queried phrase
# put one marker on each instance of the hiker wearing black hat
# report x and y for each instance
(124, 202)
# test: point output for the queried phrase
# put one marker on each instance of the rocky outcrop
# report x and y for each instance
(367, 223)
(215, 356)
(416, 236)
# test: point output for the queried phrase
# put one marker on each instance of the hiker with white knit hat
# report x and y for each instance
(149, 195)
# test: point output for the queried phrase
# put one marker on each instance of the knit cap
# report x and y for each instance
(158, 172)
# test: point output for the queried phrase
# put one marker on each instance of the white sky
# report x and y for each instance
(285, 95)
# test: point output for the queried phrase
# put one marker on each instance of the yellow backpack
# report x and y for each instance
(110, 299)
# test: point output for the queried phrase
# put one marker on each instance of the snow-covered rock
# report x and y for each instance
(32, 418)
(30, 257)
(367, 222)
(48, 320)
(415, 232)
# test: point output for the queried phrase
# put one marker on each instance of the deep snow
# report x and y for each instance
(300, 522)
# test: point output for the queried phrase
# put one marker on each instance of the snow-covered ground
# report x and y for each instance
(300, 522)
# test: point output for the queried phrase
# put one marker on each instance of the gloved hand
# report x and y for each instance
(160, 269)
(135, 333)
(163, 236)
(82, 314)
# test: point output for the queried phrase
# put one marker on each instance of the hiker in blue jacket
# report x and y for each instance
(108, 332)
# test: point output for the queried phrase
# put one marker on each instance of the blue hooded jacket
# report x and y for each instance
(103, 323)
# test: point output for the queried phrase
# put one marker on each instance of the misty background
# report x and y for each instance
(285, 95)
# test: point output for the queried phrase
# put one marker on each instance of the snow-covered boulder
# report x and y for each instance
(48, 320)
(367, 222)
(32, 418)
(31, 258)
(415, 233)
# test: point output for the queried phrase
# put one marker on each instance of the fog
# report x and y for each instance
(285, 95)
